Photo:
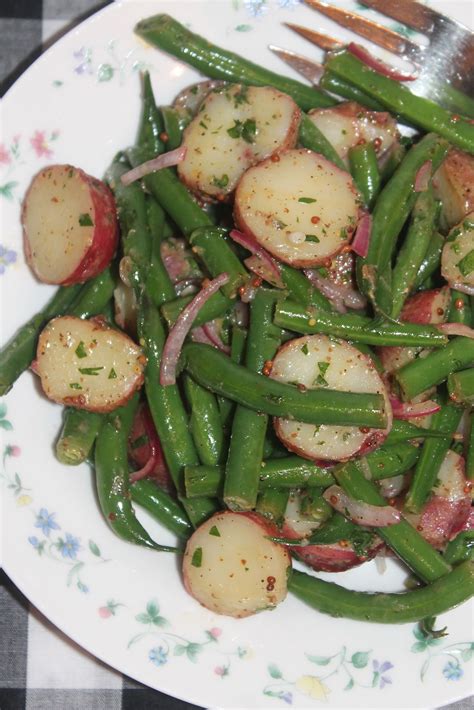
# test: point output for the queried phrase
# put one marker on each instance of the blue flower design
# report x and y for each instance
(379, 669)
(69, 546)
(256, 8)
(452, 670)
(46, 522)
(7, 257)
(287, 698)
(289, 4)
(158, 655)
(39, 546)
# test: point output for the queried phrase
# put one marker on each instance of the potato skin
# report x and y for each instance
(104, 240)
(231, 567)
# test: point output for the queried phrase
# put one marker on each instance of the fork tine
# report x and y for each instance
(312, 71)
(411, 13)
(369, 30)
(320, 40)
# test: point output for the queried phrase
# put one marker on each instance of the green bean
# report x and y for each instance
(249, 427)
(402, 537)
(419, 375)
(310, 137)
(175, 121)
(413, 250)
(392, 209)
(162, 507)
(301, 289)
(17, 355)
(95, 295)
(440, 596)
(359, 329)
(431, 457)
(271, 503)
(210, 246)
(335, 85)
(461, 386)
(111, 469)
(390, 460)
(431, 260)
(396, 155)
(460, 549)
(405, 431)
(205, 423)
(460, 310)
(149, 141)
(237, 352)
(314, 506)
(168, 413)
(215, 307)
(159, 286)
(396, 98)
(365, 171)
(470, 450)
(335, 529)
(169, 35)
(215, 371)
(78, 434)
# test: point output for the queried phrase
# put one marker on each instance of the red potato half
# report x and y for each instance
(457, 257)
(453, 184)
(88, 365)
(316, 361)
(70, 228)
(301, 208)
(235, 127)
(349, 124)
(231, 567)
(336, 557)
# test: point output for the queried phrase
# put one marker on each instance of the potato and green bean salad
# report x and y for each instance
(263, 332)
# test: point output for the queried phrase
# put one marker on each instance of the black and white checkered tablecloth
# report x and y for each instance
(40, 668)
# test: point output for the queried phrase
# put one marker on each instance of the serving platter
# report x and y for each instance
(79, 104)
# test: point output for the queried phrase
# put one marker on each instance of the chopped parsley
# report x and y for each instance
(196, 559)
(307, 200)
(223, 181)
(305, 349)
(112, 374)
(75, 386)
(241, 97)
(90, 370)
(203, 125)
(214, 531)
(343, 233)
(85, 220)
(81, 350)
(320, 380)
(278, 224)
(311, 238)
(246, 130)
(466, 265)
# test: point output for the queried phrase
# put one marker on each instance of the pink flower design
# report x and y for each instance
(215, 633)
(40, 145)
(221, 671)
(12, 450)
(105, 612)
(4, 155)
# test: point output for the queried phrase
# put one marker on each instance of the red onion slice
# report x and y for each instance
(456, 329)
(212, 333)
(181, 328)
(340, 295)
(360, 243)
(464, 288)
(422, 178)
(258, 266)
(379, 516)
(409, 410)
(147, 468)
(165, 160)
(377, 64)
(254, 247)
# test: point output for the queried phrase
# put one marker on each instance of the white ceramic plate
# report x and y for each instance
(79, 103)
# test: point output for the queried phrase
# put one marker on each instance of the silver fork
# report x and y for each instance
(444, 67)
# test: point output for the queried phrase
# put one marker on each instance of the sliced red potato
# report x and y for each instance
(316, 361)
(447, 510)
(457, 257)
(348, 124)
(144, 448)
(235, 128)
(336, 557)
(231, 567)
(88, 365)
(301, 208)
(70, 227)
(453, 184)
